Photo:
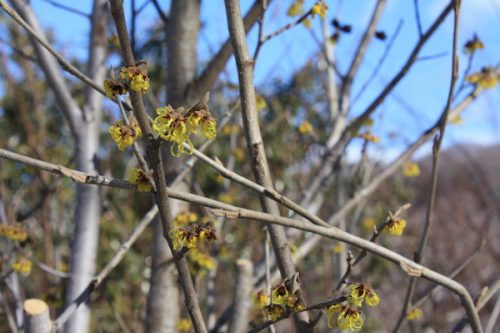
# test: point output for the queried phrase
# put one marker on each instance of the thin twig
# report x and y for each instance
(256, 148)
(417, 17)
(67, 8)
(286, 27)
(443, 120)
(160, 12)
(380, 62)
(260, 21)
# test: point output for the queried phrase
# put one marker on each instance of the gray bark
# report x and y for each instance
(88, 203)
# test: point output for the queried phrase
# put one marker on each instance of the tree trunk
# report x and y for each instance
(88, 202)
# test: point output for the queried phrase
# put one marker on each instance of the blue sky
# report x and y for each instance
(424, 89)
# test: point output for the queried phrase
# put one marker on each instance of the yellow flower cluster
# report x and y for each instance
(273, 312)
(473, 45)
(369, 137)
(349, 317)
(184, 325)
(411, 169)
(112, 88)
(137, 77)
(486, 78)
(414, 314)
(202, 260)
(296, 8)
(395, 226)
(338, 248)
(305, 127)
(177, 126)
(360, 292)
(15, 233)
(134, 77)
(320, 9)
(184, 218)
(261, 299)
(22, 266)
(282, 301)
(260, 103)
(124, 135)
(189, 236)
(141, 179)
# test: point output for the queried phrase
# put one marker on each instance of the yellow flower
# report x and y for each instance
(124, 135)
(260, 103)
(369, 137)
(456, 120)
(320, 8)
(261, 299)
(307, 23)
(204, 120)
(279, 294)
(138, 76)
(189, 235)
(22, 266)
(360, 292)
(15, 233)
(338, 248)
(141, 179)
(274, 312)
(411, 169)
(396, 226)
(181, 238)
(368, 223)
(239, 153)
(230, 129)
(486, 78)
(349, 318)
(202, 259)
(473, 45)
(184, 325)
(184, 218)
(414, 314)
(226, 198)
(296, 8)
(140, 83)
(305, 127)
(371, 298)
(171, 125)
(114, 87)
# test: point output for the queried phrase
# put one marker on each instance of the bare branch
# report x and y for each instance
(436, 153)
(256, 146)
(156, 164)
